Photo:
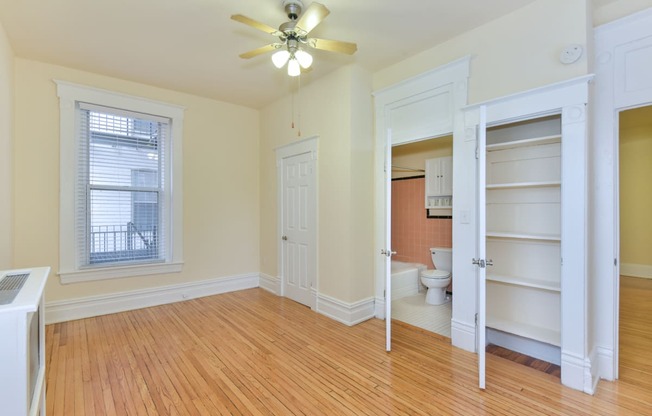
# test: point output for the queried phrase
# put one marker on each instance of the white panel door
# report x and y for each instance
(481, 317)
(298, 233)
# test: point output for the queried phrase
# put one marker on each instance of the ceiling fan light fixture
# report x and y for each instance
(280, 58)
(294, 69)
(304, 58)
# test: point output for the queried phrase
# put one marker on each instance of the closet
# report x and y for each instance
(523, 233)
(531, 165)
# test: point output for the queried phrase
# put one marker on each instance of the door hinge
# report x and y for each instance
(615, 262)
(384, 294)
(476, 319)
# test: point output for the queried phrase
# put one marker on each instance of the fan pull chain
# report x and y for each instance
(292, 110)
(299, 109)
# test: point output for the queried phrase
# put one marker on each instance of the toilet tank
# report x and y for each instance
(442, 258)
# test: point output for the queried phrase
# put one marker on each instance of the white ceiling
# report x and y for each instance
(193, 45)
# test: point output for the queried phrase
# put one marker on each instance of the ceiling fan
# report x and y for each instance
(293, 37)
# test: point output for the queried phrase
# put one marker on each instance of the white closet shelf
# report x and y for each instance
(549, 336)
(536, 141)
(523, 281)
(517, 185)
(524, 236)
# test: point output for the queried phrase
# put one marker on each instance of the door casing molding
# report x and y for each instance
(616, 77)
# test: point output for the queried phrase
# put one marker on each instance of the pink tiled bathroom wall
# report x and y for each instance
(412, 233)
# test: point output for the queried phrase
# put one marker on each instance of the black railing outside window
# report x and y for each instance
(124, 242)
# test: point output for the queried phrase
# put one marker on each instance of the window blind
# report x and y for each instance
(121, 185)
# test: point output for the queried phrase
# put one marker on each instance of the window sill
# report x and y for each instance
(115, 272)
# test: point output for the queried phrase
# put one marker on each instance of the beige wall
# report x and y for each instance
(337, 108)
(517, 52)
(220, 176)
(514, 53)
(230, 175)
(6, 151)
(635, 180)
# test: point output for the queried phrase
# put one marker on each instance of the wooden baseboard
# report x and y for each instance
(68, 310)
(346, 313)
(527, 346)
(463, 335)
(379, 306)
(270, 283)
(636, 270)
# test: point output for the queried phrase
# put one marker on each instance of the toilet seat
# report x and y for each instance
(436, 274)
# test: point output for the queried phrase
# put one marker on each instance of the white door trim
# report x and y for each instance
(308, 145)
(568, 98)
(611, 96)
(406, 109)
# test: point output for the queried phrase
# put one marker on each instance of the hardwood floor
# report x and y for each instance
(523, 359)
(636, 331)
(251, 352)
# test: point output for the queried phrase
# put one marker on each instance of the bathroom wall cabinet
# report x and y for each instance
(439, 182)
(531, 161)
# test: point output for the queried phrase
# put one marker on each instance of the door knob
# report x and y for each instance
(284, 238)
(482, 263)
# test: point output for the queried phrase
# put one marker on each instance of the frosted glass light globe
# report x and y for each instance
(280, 58)
(304, 58)
(293, 68)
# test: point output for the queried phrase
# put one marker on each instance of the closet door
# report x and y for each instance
(387, 251)
(480, 261)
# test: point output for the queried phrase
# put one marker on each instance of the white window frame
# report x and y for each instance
(70, 270)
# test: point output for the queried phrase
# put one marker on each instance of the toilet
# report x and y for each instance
(438, 279)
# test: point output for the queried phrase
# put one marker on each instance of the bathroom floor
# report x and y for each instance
(414, 311)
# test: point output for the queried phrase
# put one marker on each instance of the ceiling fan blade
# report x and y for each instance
(333, 45)
(261, 50)
(313, 15)
(256, 24)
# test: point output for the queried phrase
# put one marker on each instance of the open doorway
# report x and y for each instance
(416, 230)
(635, 183)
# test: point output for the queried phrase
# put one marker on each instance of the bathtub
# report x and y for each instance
(405, 278)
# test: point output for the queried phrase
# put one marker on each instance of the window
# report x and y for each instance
(120, 182)
(119, 216)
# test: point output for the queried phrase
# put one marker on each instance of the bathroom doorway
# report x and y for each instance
(415, 230)
(635, 204)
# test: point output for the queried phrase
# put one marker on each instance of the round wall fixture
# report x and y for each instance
(570, 54)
